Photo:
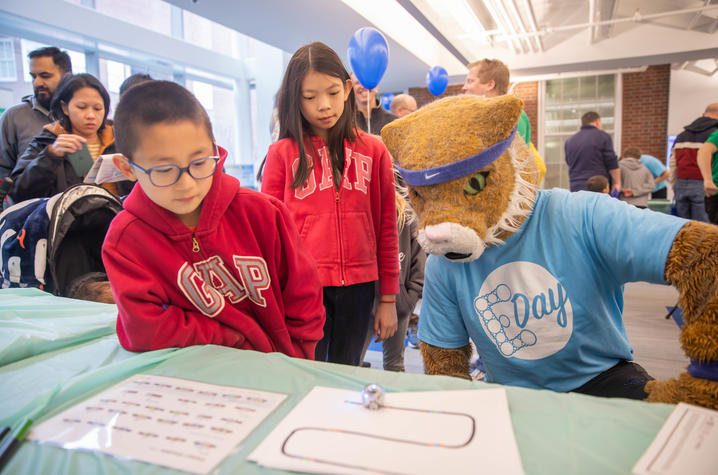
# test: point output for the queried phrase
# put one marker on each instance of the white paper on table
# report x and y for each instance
(686, 444)
(453, 432)
(176, 423)
(104, 171)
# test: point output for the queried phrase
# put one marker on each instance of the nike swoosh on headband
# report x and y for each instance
(451, 171)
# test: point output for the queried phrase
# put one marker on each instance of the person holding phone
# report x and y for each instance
(62, 154)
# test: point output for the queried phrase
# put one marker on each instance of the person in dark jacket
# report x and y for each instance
(589, 152)
(81, 104)
(685, 174)
(377, 117)
(22, 122)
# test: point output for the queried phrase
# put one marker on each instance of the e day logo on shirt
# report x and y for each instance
(208, 282)
(525, 311)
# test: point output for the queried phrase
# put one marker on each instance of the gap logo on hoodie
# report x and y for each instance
(357, 166)
(207, 283)
(525, 311)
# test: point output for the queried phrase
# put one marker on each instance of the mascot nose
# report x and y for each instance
(439, 233)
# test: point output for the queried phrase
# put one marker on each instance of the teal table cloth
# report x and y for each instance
(57, 352)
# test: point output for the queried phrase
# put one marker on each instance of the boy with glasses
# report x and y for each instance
(194, 258)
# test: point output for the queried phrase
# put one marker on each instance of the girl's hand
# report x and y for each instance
(385, 321)
(66, 143)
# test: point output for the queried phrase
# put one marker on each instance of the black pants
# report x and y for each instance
(626, 379)
(349, 310)
(712, 208)
(660, 194)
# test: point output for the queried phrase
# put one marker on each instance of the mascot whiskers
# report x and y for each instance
(535, 277)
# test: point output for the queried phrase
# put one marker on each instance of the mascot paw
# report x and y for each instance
(447, 361)
(685, 388)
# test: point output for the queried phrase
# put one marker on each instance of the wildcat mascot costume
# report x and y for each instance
(535, 277)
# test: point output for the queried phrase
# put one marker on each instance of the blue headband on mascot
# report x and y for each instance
(451, 171)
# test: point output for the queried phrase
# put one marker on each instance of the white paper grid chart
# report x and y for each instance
(686, 444)
(176, 423)
(457, 432)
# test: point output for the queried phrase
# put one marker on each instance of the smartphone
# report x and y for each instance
(81, 160)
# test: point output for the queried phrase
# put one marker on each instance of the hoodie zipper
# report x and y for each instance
(339, 232)
(195, 244)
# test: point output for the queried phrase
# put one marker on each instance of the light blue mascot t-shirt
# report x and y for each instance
(544, 308)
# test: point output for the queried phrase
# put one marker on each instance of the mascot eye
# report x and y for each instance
(414, 194)
(476, 184)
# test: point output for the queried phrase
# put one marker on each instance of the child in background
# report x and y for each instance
(598, 184)
(636, 180)
(339, 186)
(194, 258)
(412, 259)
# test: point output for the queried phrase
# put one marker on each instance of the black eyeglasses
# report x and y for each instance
(168, 175)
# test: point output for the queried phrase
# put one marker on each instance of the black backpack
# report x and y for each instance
(51, 243)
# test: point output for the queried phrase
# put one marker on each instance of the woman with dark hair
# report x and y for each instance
(55, 159)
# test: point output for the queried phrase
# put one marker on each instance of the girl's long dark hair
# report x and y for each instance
(292, 124)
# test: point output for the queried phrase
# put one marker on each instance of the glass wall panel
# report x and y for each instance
(567, 99)
(151, 14)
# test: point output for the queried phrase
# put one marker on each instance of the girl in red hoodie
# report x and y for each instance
(339, 187)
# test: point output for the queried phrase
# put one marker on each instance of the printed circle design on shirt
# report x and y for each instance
(525, 311)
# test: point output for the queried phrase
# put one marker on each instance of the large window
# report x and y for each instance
(238, 97)
(566, 100)
(7, 60)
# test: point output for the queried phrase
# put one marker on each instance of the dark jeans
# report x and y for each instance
(627, 379)
(690, 199)
(349, 310)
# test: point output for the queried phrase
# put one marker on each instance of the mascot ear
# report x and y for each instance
(451, 129)
(392, 135)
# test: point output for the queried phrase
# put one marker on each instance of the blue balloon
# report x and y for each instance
(437, 79)
(368, 55)
(386, 100)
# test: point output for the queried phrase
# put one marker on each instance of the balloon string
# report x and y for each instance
(368, 116)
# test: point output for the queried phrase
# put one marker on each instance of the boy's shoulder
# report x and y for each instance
(256, 200)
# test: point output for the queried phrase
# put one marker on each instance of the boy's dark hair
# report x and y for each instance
(151, 103)
(633, 152)
(493, 69)
(292, 124)
(133, 80)
(60, 58)
(589, 118)
(597, 183)
(66, 88)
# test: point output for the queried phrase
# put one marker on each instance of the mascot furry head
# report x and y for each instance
(528, 275)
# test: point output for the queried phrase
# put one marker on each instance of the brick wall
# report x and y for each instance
(645, 110)
(423, 96)
(527, 91)
(645, 107)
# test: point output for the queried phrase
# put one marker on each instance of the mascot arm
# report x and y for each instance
(447, 361)
(692, 267)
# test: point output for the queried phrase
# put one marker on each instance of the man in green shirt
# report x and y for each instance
(707, 159)
(490, 78)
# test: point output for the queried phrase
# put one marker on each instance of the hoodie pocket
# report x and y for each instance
(358, 239)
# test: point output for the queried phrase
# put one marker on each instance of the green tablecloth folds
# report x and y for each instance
(56, 352)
